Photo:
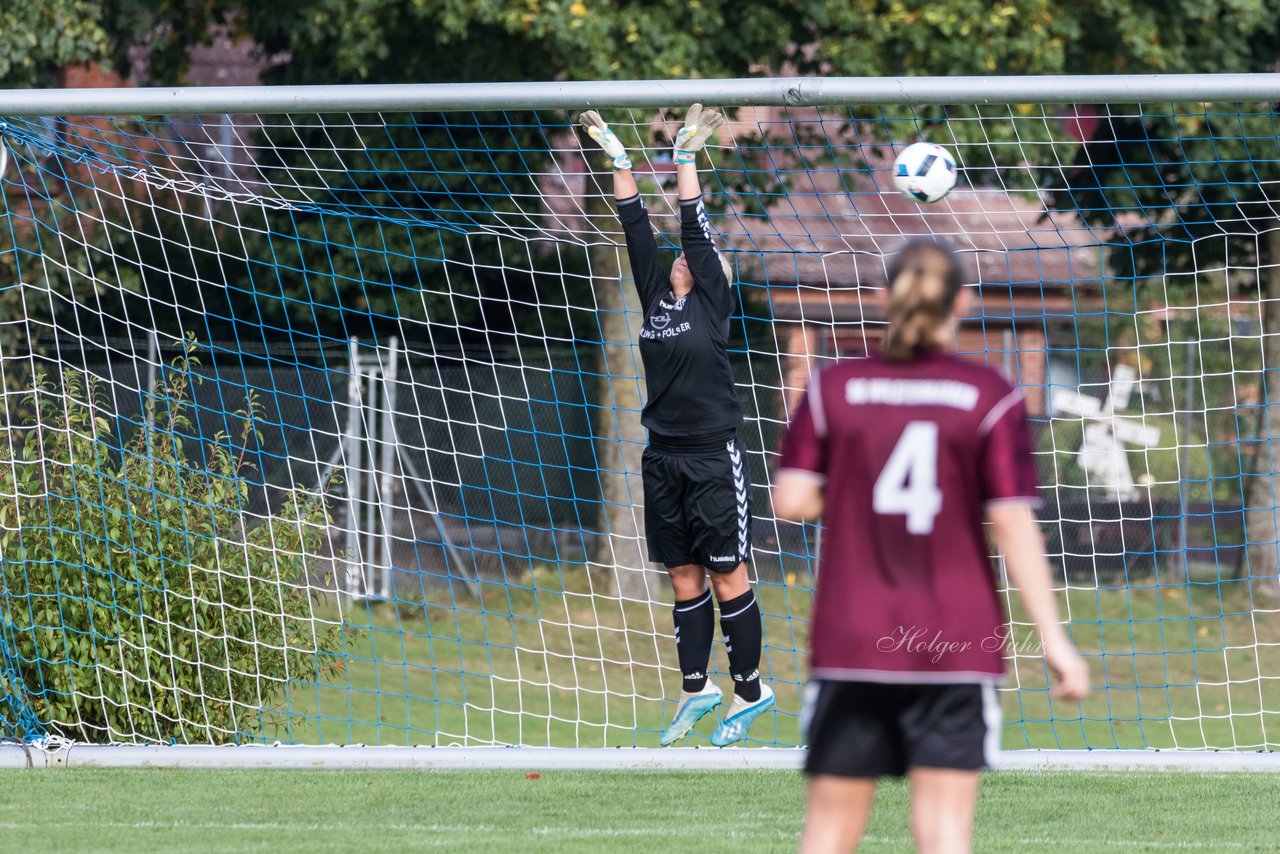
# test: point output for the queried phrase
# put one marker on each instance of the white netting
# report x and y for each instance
(325, 427)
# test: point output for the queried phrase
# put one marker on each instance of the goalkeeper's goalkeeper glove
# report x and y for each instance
(699, 124)
(605, 138)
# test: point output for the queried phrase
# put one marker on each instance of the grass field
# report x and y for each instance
(545, 662)
(316, 811)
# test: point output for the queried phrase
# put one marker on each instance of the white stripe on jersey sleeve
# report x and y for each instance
(997, 412)
(815, 405)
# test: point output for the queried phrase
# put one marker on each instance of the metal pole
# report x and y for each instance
(153, 359)
(366, 757)
(385, 436)
(355, 566)
(761, 91)
(370, 532)
(1183, 461)
(150, 394)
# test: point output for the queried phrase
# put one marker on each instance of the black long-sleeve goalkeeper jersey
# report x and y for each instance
(682, 342)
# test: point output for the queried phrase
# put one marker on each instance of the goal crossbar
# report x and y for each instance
(754, 91)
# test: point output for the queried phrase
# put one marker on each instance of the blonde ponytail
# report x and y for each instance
(924, 278)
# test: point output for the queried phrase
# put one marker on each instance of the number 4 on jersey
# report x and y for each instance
(908, 483)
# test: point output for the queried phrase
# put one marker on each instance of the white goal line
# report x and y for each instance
(365, 757)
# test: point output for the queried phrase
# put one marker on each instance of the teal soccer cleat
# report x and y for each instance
(741, 716)
(691, 709)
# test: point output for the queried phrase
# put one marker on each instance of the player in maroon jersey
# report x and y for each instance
(904, 455)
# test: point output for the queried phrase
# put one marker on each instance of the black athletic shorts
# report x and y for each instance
(696, 509)
(871, 729)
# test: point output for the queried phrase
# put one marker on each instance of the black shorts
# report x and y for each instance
(870, 729)
(696, 509)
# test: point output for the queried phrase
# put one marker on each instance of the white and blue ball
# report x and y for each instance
(924, 172)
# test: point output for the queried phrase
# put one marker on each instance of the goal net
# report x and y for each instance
(324, 427)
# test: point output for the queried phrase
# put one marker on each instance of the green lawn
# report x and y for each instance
(542, 662)
(316, 811)
(1174, 665)
(539, 663)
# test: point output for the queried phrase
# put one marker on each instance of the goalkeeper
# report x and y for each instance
(697, 515)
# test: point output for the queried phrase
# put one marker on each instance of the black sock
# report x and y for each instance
(740, 622)
(695, 621)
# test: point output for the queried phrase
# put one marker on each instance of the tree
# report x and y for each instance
(37, 40)
(471, 40)
(90, 581)
(383, 41)
(1201, 184)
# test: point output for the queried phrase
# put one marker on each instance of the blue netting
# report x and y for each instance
(420, 317)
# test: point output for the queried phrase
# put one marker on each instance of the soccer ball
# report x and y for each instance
(924, 172)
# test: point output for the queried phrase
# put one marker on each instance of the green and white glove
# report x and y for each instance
(699, 124)
(605, 138)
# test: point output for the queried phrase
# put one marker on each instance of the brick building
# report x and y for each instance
(823, 249)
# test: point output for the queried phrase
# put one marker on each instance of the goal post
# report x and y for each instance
(542, 759)
(320, 417)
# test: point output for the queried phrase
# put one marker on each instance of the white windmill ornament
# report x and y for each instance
(1102, 453)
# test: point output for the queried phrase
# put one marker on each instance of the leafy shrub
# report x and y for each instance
(138, 600)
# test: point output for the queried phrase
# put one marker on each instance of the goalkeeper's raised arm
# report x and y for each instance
(697, 511)
(707, 268)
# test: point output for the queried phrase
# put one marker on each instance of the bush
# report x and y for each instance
(138, 599)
